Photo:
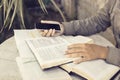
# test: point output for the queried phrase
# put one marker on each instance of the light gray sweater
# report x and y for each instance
(108, 16)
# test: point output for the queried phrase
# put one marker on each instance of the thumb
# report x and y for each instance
(59, 32)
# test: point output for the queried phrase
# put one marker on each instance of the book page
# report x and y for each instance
(99, 40)
(45, 41)
(78, 39)
(20, 37)
(52, 52)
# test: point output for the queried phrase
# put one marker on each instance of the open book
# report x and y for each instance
(49, 51)
(92, 70)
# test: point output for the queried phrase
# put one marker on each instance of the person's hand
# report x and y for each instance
(85, 52)
(52, 32)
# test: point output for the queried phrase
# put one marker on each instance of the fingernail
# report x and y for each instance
(45, 31)
(67, 56)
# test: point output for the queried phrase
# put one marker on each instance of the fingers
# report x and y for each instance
(53, 32)
(43, 33)
(48, 33)
(84, 52)
(78, 51)
(77, 48)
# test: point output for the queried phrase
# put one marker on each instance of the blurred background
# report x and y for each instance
(58, 10)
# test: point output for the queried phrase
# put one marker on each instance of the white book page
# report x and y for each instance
(52, 52)
(99, 40)
(77, 39)
(93, 70)
(20, 37)
(45, 41)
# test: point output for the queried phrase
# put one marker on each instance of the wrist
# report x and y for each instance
(104, 53)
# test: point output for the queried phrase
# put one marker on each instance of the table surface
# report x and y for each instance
(8, 51)
(8, 66)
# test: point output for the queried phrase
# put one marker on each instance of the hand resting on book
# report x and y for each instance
(86, 52)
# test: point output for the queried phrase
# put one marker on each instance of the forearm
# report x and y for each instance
(88, 26)
(91, 25)
(113, 56)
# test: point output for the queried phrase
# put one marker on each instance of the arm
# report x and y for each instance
(86, 52)
(91, 25)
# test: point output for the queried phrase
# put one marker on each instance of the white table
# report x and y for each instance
(8, 53)
(8, 66)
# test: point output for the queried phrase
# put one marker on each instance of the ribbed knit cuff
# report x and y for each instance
(113, 56)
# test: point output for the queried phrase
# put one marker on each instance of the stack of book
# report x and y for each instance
(42, 58)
